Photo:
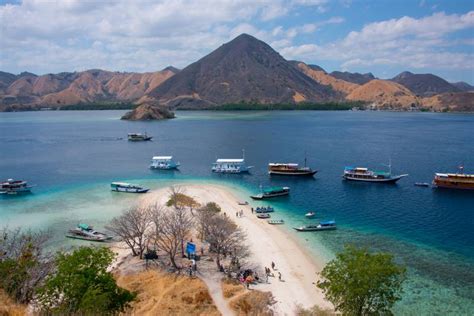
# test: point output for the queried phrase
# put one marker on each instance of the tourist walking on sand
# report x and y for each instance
(273, 265)
(279, 276)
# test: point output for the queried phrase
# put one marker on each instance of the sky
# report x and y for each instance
(383, 37)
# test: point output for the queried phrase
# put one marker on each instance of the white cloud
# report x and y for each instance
(408, 42)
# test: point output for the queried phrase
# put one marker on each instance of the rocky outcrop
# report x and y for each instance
(424, 85)
(452, 102)
(353, 77)
(149, 112)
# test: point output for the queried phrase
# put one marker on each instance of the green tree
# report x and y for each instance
(361, 283)
(82, 285)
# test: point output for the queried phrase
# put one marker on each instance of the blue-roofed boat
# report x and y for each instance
(271, 192)
(264, 209)
(366, 175)
(323, 225)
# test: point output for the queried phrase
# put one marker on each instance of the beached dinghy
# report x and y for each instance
(263, 215)
(86, 232)
(276, 221)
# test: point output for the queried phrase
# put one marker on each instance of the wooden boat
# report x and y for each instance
(127, 187)
(458, 180)
(366, 175)
(263, 215)
(11, 187)
(86, 232)
(264, 209)
(290, 169)
(422, 184)
(243, 203)
(138, 137)
(164, 163)
(310, 214)
(276, 221)
(271, 192)
(323, 225)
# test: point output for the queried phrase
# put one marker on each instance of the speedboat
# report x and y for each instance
(127, 187)
(323, 225)
(11, 186)
(86, 232)
(263, 215)
(138, 137)
(276, 221)
(310, 214)
(271, 192)
(422, 184)
(263, 209)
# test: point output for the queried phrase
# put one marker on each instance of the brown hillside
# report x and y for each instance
(460, 102)
(385, 94)
(164, 294)
(323, 78)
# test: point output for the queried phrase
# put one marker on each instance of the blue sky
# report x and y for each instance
(383, 37)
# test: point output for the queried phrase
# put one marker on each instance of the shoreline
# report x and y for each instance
(267, 244)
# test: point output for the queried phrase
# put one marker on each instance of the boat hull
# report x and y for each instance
(130, 190)
(88, 238)
(374, 180)
(293, 173)
(300, 229)
(268, 196)
(453, 185)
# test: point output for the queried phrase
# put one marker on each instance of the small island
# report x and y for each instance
(148, 112)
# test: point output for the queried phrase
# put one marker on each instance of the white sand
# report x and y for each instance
(267, 243)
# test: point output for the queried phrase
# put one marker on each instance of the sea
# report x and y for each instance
(72, 156)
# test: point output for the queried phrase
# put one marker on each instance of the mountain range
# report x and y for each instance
(242, 70)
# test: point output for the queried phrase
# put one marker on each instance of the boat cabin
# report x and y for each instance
(164, 162)
(230, 166)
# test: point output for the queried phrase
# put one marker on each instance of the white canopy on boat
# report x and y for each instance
(162, 157)
(230, 160)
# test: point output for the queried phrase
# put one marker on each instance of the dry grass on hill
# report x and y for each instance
(247, 302)
(10, 308)
(163, 294)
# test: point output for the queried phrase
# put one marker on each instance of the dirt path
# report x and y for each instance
(213, 282)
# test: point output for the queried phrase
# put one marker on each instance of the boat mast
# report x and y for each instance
(243, 154)
(305, 158)
(390, 165)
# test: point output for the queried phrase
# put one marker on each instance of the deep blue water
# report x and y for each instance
(430, 230)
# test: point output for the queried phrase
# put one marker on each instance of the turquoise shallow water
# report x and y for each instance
(73, 156)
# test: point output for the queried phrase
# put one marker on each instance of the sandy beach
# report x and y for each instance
(267, 243)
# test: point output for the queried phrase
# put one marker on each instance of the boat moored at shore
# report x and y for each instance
(164, 163)
(458, 180)
(323, 225)
(276, 222)
(127, 187)
(138, 137)
(271, 193)
(231, 165)
(263, 215)
(11, 186)
(87, 232)
(264, 209)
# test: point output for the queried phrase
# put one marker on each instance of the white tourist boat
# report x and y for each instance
(11, 186)
(231, 165)
(164, 163)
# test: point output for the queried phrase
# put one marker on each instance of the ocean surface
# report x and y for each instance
(72, 157)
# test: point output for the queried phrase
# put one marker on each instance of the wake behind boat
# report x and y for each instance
(271, 192)
(127, 187)
(366, 175)
(86, 232)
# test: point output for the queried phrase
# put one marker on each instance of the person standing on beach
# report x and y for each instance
(279, 276)
(273, 265)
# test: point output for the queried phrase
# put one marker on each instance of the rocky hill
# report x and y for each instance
(91, 86)
(463, 86)
(242, 70)
(353, 77)
(459, 102)
(383, 94)
(424, 85)
(320, 76)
